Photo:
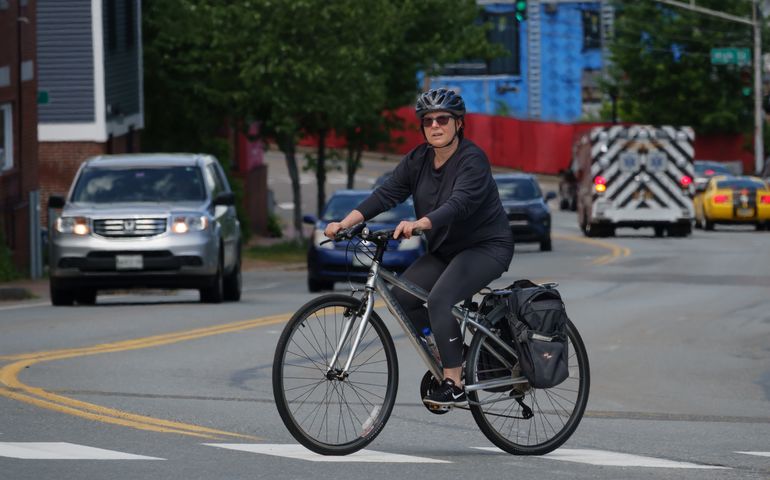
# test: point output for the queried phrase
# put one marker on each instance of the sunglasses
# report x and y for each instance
(442, 120)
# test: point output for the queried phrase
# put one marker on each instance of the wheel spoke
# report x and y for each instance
(555, 412)
(326, 411)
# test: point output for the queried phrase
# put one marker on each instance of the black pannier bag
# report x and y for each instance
(494, 307)
(538, 324)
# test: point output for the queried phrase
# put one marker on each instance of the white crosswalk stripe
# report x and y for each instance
(301, 453)
(758, 454)
(63, 451)
(613, 459)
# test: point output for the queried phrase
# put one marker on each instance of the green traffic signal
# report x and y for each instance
(520, 10)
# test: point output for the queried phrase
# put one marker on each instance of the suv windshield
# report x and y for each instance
(144, 184)
(341, 205)
(518, 189)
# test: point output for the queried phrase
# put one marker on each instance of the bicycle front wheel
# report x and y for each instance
(520, 419)
(326, 411)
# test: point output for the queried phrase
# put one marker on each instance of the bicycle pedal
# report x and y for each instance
(439, 408)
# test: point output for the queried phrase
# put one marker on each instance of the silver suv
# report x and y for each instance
(146, 220)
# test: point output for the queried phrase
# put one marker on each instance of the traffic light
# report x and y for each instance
(746, 81)
(520, 10)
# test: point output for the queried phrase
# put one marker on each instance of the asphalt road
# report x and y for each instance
(157, 385)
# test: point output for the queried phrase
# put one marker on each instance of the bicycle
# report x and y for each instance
(335, 371)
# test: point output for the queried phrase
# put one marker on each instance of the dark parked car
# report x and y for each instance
(381, 179)
(527, 210)
(329, 262)
(146, 220)
(705, 169)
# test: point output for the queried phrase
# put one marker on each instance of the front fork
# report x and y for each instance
(368, 298)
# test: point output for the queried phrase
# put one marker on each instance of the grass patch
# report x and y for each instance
(285, 252)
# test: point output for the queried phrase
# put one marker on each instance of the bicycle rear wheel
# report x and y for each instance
(326, 413)
(520, 419)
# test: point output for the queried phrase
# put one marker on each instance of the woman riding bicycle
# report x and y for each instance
(458, 207)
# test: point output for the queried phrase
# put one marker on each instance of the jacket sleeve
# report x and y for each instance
(395, 190)
(468, 193)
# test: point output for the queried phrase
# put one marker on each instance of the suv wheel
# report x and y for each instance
(314, 285)
(214, 293)
(545, 244)
(233, 283)
(61, 297)
(86, 296)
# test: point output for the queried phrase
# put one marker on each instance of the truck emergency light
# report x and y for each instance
(720, 198)
(764, 199)
(600, 184)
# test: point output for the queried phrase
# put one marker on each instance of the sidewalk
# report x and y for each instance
(23, 289)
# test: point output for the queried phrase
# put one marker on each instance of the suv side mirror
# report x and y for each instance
(224, 198)
(55, 201)
(550, 196)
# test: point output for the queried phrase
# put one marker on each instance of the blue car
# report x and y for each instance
(348, 261)
(527, 210)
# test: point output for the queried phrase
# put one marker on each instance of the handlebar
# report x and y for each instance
(360, 230)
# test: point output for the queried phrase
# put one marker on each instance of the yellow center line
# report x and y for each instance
(616, 251)
(15, 389)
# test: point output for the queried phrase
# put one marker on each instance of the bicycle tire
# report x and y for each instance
(327, 415)
(556, 412)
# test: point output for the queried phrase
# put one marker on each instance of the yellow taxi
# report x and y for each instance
(732, 200)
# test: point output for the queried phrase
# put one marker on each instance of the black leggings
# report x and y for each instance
(448, 283)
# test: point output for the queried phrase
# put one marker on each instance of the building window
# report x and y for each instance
(504, 31)
(130, 16)
(6, 137)
(592, 32)
(112, 32)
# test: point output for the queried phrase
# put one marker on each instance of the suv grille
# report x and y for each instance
(130, 227)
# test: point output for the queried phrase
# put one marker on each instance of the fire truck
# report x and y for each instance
(635, 176)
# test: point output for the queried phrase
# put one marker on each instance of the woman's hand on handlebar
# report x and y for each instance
(406, 228)
(353, 218)
(332, 229)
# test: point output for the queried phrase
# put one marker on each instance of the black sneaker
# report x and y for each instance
(446, 395)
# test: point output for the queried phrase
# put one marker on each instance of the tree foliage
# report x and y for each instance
(661, 66)
(299, 67)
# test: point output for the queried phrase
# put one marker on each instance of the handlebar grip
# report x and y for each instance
(347, 233)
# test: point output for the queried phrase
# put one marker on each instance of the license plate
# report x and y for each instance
(129, 262)
(517, 223)
(745, 212)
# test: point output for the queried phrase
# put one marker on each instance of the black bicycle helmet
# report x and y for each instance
(440, 100)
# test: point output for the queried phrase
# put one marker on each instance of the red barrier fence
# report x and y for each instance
(539, 147)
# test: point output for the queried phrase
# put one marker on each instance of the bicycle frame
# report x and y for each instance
(377, 282)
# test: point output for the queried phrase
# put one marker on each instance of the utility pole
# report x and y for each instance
(755, 22)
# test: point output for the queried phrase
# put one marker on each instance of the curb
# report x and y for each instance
(15, 293)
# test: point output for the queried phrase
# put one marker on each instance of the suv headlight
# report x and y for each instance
(189, 223)
(410, 243)
(74, 225)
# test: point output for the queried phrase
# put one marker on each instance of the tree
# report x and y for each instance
(661, 66)
(299, 67)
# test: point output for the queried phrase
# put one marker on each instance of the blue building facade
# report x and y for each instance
(557, 56)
